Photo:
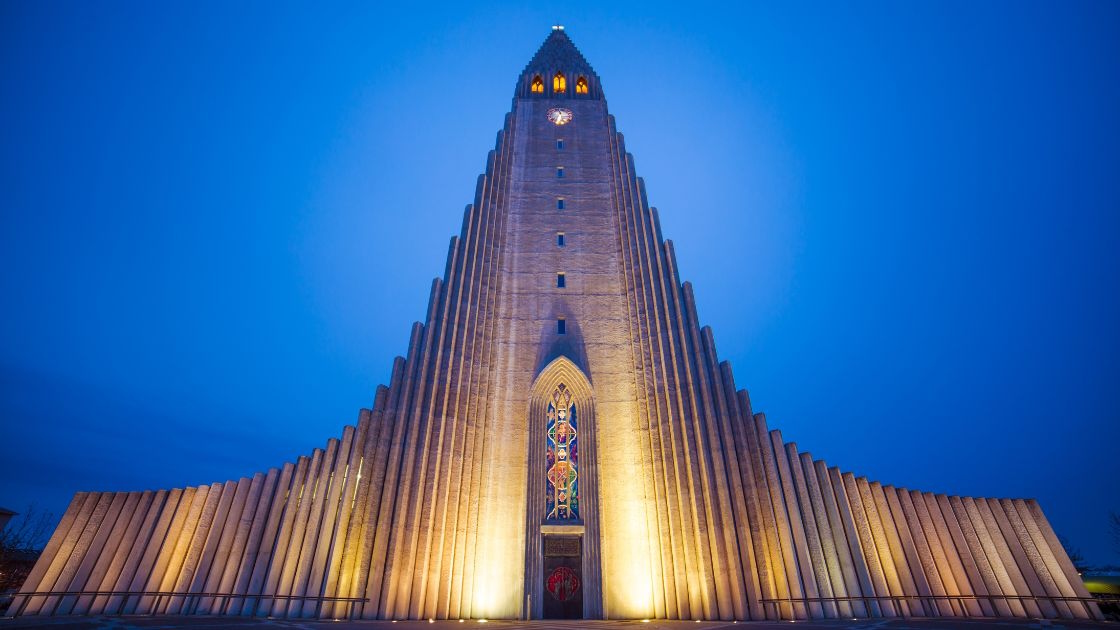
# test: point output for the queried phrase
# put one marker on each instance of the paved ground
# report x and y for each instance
(219, 623)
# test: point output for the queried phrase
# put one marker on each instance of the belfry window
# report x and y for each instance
(561, 457)
(581, 86)
(537, 86)
(559, 83)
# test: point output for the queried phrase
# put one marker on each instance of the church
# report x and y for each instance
(561, 441)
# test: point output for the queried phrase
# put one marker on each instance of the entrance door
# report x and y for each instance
(563, 577)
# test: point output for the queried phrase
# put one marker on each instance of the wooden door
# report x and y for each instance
(563, 577)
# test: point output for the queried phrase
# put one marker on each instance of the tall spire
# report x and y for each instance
(558, 55)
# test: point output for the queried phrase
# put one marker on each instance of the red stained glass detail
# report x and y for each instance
(562, 584)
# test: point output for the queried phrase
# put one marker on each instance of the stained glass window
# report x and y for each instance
(561, 457)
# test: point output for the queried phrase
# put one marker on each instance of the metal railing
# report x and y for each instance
(926, 600)
(190, 605)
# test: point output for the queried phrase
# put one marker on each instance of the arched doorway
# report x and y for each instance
(563, 572)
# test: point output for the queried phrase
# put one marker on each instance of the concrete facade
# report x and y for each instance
(433, 504)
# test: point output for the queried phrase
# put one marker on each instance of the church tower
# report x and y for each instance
(561, 441)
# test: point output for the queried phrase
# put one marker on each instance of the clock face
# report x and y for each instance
(560, 116)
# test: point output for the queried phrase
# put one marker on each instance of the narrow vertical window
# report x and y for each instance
(559, 83)
(559, 144)
(537, 86)
(559, 239)
(561, 457)
(560, 201)
(560, 280)
(561, 326)
(581, 86)
(559, 171)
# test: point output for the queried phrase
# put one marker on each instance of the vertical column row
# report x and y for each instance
(886, 551)
(272, 534)
(703, 556)
(660, 527)
(674, 537)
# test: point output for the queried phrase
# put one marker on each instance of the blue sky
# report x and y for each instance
(902, 221)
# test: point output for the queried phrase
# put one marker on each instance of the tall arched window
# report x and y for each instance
(561, 457)
(581, 86)
(559, 83)
(537, 86)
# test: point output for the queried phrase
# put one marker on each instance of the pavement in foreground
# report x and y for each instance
(228, 623)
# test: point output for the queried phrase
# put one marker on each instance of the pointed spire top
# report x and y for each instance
(559, 55)
(558, 50)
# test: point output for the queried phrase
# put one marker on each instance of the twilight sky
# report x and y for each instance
(902, 220)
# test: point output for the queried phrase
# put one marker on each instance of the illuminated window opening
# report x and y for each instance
(581, 86)
(561, 281)
(559, 83)
(559, 239)
(537, 86)
(561, 326)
